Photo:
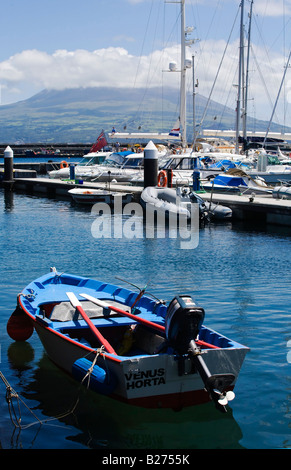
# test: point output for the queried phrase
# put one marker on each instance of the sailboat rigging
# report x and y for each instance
(182, 135)
(242, 96)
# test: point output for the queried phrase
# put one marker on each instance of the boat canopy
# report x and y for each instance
(226, 180)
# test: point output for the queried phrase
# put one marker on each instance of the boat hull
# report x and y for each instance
(149, 381)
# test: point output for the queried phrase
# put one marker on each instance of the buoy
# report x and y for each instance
(162, 179)
(19, 326)
(100, 381)
(64, 164)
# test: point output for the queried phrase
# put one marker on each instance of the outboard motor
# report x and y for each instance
(183, 322)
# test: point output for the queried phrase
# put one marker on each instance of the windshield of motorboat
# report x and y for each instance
(273, 160)
(181, 163)
(115, 159)
(85, 161)
(133, 162)
(95, 160)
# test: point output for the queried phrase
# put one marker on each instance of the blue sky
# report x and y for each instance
(68, 43)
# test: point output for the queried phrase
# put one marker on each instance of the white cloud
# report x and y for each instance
(112, 66)
(33, 70)
(272, 8)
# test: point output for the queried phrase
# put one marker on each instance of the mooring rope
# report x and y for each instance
(12, 394)
(90, 370)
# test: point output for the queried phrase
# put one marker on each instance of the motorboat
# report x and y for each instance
(88, 161)
(270, 168)
(236, 181)
(127, 344)
(129, 168)
(184, 164)
(97, 154)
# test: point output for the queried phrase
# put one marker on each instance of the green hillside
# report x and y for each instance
(78, 115)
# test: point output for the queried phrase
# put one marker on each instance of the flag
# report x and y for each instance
(100, 143)
(176, 129)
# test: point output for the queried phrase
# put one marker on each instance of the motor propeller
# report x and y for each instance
(224, 398)
(215, 384)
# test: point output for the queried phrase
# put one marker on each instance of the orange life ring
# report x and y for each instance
(64, 164)
(162, 179)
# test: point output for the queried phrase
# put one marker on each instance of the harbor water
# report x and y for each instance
(239, 273)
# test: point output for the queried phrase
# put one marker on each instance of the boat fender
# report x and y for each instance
(19, 327)
(64, 164)
(98, 380)
(162, 179)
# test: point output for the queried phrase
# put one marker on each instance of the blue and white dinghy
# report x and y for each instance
(129, 345)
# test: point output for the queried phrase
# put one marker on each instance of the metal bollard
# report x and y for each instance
(196, 180)
(150, 165)
(8, 165)
(72, 171)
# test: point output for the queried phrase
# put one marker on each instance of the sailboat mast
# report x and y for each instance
(240, 75)
(245, 112)
(183, 78)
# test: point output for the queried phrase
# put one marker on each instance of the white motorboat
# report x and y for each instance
(208, 164)
(97, 154)
(115, 169)
(89, 161)
(131, 169)
(271, 168)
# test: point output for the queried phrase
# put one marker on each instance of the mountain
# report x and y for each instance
(78, 115)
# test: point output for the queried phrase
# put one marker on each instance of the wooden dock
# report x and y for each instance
(260, 209)
(55, 187)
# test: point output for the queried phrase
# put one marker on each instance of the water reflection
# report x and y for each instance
(94, 421)
(8, 200)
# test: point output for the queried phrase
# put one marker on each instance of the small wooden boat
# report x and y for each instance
(91, 196)
(129, 345)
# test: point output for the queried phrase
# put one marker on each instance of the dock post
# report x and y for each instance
(196, 180)
(8, 168)
(72, 171)
(151, 165)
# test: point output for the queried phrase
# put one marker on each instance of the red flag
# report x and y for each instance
(100, 143)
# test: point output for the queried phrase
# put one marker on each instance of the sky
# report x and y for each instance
(58, 44)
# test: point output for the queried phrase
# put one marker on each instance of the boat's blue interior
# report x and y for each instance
(42, 295)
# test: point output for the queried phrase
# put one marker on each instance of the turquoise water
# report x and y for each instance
(240, 275)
